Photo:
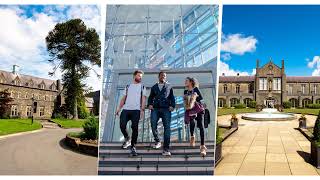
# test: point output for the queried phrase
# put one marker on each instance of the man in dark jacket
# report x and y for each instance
(161, 102)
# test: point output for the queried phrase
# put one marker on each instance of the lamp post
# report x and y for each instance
(32, 99)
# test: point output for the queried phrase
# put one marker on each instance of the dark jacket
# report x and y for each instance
(165, 95)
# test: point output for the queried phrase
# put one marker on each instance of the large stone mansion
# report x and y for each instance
(269, 85)
(30, 91)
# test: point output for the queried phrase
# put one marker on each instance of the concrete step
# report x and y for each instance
(174, 145)
(154, 152)
(155, 171)
(155, 161)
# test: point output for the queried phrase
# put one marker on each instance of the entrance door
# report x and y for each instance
(269, 103)
(179, 131)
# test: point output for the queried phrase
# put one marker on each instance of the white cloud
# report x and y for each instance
(226, 56)
(315, 63)
(22, 38)
(227, 71)
(238, 44)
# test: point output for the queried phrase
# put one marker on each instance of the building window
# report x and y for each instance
(29, 111)
(263, 84)
(315, 89)
(238, 89)
(41, 111)
(250, 88)
(247, 101)
(234, 101)
(294, 102)
(290, 90)
(303, 88)
(276, 84)
(14, 110)
(221, 102)
(41, 86)
(305, 102)
(225, 88)
(16, 82)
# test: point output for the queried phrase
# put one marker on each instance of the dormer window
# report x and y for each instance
(53, 87)
(42, 86)
(16, 82)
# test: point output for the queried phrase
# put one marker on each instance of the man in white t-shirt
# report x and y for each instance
(133, 105)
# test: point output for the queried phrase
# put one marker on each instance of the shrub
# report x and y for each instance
(239, 106)
(218, 136)
(287, 104)
(316, 130)
(313, 106)
(83, 112)
(252, 104)
(91, 128)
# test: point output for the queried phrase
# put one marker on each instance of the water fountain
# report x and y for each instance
(269, 114)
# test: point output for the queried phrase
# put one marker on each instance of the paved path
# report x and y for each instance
(266, 148)
(42, 153)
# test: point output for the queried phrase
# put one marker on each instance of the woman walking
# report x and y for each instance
(194, 111)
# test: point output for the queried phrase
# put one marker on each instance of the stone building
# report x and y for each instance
(269, 86)
(30, 92)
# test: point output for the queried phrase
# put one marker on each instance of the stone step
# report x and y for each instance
(49, 125)
(152, 161)
(155, 171)
(143, 152)
(175, 145)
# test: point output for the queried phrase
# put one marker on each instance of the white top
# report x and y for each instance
(134, 96)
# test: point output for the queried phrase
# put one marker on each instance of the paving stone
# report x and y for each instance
(277, 168)
(255, 157)
(227, 168)
(302, 169)
(272, 157)
(258, 149)
(252, 168)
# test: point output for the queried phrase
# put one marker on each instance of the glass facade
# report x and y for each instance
(158, 37)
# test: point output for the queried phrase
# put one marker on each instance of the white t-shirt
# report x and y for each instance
(134, 96)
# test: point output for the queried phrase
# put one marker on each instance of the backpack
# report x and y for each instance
(141, 93)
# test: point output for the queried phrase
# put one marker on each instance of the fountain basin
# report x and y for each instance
(269, 114)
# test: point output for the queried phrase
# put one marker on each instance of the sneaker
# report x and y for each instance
(203, 149)
(192, 141)
(166, 153)
(126, 143)
(133, 151)
(156, 145)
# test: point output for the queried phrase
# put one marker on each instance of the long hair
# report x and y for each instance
(194, 82)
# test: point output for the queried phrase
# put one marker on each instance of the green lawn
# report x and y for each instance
(69, 123)
(303, 111)
(225, 111)
(11, 126)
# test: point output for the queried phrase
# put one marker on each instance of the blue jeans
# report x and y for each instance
(165, 115)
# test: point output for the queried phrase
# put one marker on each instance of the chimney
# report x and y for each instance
(223, 74)
(238, 74)
(257, 63)
(15, 69)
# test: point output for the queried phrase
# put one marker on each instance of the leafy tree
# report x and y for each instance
(72, 47)
(5, 100)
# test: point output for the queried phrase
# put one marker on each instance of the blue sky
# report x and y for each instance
(278, 32)
(23, 38)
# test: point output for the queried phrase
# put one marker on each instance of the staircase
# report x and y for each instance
(184, 160)
(49, 125)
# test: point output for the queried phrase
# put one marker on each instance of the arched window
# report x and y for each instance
(234, 101)
(238, 89)
(318, 101)
(225, 88)
(305, 102)
(294, 102)
(221, 102)
(247, 101)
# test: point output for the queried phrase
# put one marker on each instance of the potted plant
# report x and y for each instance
(218, 151)
(234, 121)
(303, 121)
(315, 144)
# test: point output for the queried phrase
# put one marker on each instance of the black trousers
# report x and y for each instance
(199, 120)
(125, 117)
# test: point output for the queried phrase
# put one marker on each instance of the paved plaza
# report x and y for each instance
(266, 148)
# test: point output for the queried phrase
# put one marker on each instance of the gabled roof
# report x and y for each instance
(24, 79)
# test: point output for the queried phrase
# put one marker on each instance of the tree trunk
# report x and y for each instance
(75, 109)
